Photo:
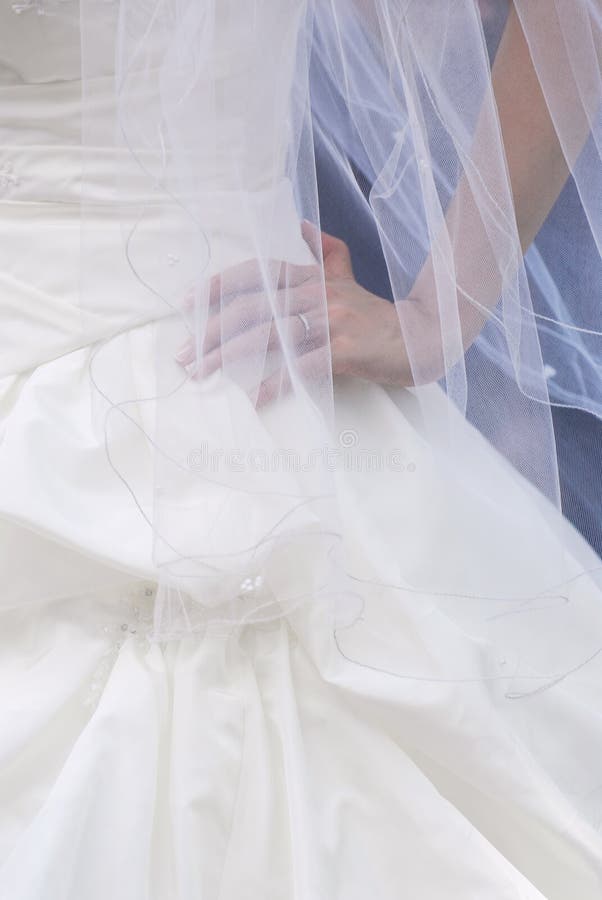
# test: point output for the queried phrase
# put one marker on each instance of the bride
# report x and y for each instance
(289, 607)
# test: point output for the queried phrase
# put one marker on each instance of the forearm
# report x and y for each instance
(536, 163)
(476, 254)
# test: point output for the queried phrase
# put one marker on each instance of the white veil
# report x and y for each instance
(210, 138)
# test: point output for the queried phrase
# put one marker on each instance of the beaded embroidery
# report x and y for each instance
(135, 623)
(41, 7)
(8, 179)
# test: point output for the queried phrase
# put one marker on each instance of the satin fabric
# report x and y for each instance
(290, 759)
(257, 761)
(281, 760)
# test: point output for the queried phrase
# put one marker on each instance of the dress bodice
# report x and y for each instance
(237, 84)
(81, 158)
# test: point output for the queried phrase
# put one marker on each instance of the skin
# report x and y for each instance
(362, 333)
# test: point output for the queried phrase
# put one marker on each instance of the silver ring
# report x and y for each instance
(306, 325)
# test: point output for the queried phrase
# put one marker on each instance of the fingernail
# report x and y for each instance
(185, 354)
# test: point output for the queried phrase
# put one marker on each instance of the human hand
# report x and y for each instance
(360, 331)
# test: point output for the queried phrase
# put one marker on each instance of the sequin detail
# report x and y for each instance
(132, 620)
(8, 179)
(44, 7)
(41, 7)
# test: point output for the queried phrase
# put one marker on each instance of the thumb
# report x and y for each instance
(335, 253)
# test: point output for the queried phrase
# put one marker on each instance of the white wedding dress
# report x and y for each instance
(270, 761)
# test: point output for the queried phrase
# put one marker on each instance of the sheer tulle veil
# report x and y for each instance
(398, 95)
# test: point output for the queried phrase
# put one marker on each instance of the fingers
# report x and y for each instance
(251, 276)
(249, 303)
(225, 325)
(313, 237)
(249, 343)
(186, 354)
(310, 367)
(255, 276)
(337, 259)
(334, 252)
(258, 341)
